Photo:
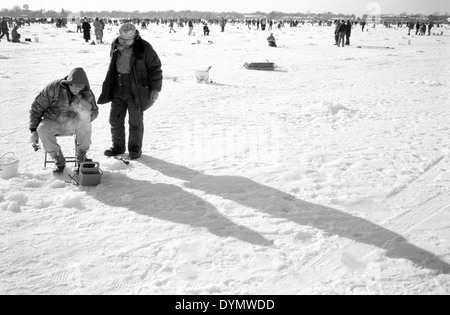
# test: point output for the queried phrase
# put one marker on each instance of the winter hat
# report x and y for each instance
(127, 31)
(77, 76)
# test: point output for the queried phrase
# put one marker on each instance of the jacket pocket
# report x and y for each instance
(145, 97)
(141, 72)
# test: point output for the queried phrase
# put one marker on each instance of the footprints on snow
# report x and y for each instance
(5, 75)
(18, 194)
(173, 78)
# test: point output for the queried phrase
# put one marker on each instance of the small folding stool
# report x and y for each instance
(69, 159)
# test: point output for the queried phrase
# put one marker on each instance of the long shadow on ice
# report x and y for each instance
(282, 205)
(170, 203)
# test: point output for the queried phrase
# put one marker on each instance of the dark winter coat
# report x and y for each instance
(343, 27)
(86, 27)
(4, 26)
(336, 29)
(146, 74)
(86, 31)
(348, 30)
(57, 103)
(15, 35)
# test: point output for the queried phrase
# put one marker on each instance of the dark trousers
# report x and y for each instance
(5, 32)
(87, 36)
(122, 104)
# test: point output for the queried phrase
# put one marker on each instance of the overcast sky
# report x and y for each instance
(357, 7)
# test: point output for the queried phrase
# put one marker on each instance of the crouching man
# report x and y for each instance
(65, 107)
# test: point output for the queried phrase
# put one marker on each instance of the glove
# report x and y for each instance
(94, 116)
(34, 139)
(154, 96)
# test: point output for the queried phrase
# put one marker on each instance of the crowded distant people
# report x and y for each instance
(86, 30)
(4, 29)
(271, 40)
(132, 84)
(15, 34)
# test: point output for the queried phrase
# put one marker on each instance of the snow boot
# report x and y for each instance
(81, 158)
(60, 161)
(134, 155)
(114, 151)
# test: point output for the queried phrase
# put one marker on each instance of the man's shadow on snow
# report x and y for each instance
(279, 204)
(170, 203)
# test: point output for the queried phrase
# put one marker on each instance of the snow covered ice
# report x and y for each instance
(328, 176)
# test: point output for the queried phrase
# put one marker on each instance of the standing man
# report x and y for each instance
(65, 107)
(430, 27)
(191, 27)
(171, 27)
(86, 30)
(4, 29)
(78, 21)
(341, 33)
(132, 84)
(223, 23)
(98, 27)
(348, 32)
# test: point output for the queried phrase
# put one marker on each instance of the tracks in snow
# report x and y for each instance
(415, 204)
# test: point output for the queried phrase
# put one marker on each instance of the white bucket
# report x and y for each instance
(9, 166)
(202, 76)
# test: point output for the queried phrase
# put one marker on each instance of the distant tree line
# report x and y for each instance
(25, 11)
(17, 11)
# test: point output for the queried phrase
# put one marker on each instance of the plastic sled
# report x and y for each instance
(267, 66)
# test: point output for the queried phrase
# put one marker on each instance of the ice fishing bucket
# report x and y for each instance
(9, 165)
(90, 174)
(202, 76)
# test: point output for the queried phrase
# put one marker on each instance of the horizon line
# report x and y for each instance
(217, 12)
